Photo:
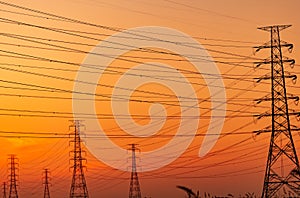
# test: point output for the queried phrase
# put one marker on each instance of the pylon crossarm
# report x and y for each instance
(266, 114)
(268, 61)
(263, 46)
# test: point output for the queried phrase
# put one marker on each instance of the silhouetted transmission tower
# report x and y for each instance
(78, 186)
(4, 190)
(134, 191)
(46, 184)
(13, 193)
(282, 171)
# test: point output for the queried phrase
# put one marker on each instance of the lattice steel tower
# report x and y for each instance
(46, 184)
(282, 176)
(78, 186)
(4, 190)
(13, 193)
(135, 190)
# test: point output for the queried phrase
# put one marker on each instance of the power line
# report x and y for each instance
(209, 11)
(62, 31)
(102, 26)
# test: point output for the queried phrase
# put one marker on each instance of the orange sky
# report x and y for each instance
(227, 30)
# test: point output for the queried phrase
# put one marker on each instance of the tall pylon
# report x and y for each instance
(282, 178)
(78, 186)
(13, 193)
(135, 190)
(46, 184)
(4, 190)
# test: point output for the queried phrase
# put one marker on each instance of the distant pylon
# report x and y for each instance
(4, 190)
(13, 193)
(135, 190)
(282, 178)
(78, 186)
(46, 184)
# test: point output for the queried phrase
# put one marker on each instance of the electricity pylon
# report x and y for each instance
(4, 190)
(135, 190)
(78, 186)
(46, 184)
(13, 193)
(282, 176)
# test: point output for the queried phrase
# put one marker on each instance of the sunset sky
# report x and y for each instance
(40, 56)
